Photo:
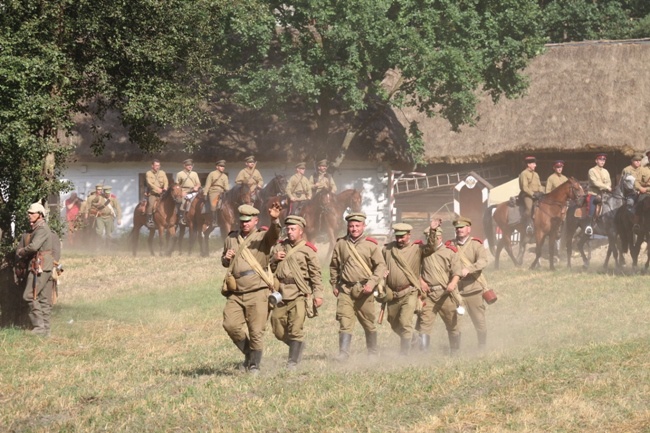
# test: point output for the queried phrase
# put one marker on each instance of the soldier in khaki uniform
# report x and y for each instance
(635, 170)
(298, 273)
(250, 175)
(36, 250)
(157, 183)
(642, 188)
(109, 211)
(473, 258)
(599, 183)
(357, 267)
(298, 189)
(189, 182)
(441, 272)
(322, 180)
(531, 188)
(215, 185)
(246, 255)
(94, 208)
(403, 259)
(556, 178)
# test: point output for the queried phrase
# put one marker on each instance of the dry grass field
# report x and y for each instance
(137, 346)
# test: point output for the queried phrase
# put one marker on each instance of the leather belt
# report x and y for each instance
(402, 288)
(350, 284)
(288, 281)
(436, 287)
(243, 274)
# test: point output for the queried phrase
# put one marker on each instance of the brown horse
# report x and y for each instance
(548, 216)
(199, 225)
(165, 219)
(324, 214)
(273, 193)
(230, 200)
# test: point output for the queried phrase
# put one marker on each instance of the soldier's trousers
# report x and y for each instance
(288, 320)
(213, 198)
(363, 308)
(443, 305)
(104, 227)
(151, 203)
(476, 309)
(38, 295)
(400, 313)
(245, 316)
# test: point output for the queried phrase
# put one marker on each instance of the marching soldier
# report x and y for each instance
(246, 285)
(441, 272)
(322, 180)
(556, 178)
(189, 182)
(473, 258)
(298, 189)
(403, 260)
(108, 211)
(157, 183)
(298, 274)
(215, 185)
(92, 209)
(36, 249)
(599, 183)
(356, 269)
(250, 176)
(531, 188)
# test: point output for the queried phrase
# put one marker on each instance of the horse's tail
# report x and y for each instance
(488, 228)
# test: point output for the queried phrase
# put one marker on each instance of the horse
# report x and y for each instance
(578, 219)
(549, 214)
(643, 234)
(199, 224)
(273, 192)
(165, 218)
(624, 221)
(547, 220)
(231, 200)
(324, 213)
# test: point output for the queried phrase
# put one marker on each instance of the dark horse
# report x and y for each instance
(631, 239)
(324, 214)
(230, 200)
(578, 219)
(165, 219)
(643, 234)
(273, 192)
(547, 215)
(199, 224)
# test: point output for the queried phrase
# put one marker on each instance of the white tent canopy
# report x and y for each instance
(503, 192)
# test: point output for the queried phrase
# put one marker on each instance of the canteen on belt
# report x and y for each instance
(489, 296)
(275, 298)
(460, 310)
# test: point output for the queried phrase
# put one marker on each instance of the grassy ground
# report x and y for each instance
(138, 346)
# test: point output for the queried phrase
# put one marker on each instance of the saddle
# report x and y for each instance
(583, 212)
(142, 206)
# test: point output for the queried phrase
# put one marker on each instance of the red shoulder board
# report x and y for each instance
(312, 246)
(418, 242)
(373, 240)
(448, 243)
(478, 240)
(264, 229)
(451, 247)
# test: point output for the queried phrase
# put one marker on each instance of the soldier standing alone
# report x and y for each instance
(298, 273)
(110, 211)
(356, 268)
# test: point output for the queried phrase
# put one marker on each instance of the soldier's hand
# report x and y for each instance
(280, 255)
(20, 252)
(318, 302)
(435, 223)
(367, 289)
(229, 254)
(451, 287)
(335, 291)
(274, 210)
(464, 272)
(424, 287)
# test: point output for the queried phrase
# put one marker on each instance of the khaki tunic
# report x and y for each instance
(299, 188)
(599, 180)
(323, 181)
(643, 179)
(252, 178)
(555, 180)
(106, 217)
(438, 301)
(216, 184)
(155, 182)
(529, 184)
(345, 272)
(401, 309)
(187, 181)
(246, 309)
(287, 320)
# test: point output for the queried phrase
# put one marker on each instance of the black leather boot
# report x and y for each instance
(425, 342)
(344, 347)
(243, 345)
(371, 343)
(255, 361)
(295, 354)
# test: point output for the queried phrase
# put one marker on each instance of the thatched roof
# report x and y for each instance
(582, 96)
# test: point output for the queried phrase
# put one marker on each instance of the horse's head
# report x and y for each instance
(279, 184)
(354, 202)
(627, 184)
(245, 195)
(176, 192)
(576, 192)
(324, 198)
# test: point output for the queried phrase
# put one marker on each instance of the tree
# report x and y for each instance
(332, 58)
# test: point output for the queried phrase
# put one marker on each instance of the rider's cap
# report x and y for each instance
(108, 188)
(249, 159)
(637, 157)
(323, 162)
(221, 163)
(188, 162)
(558, 163)
(247, 212)
(99, 186)
(530, 159)
(356, 216)
(401, 229)
(462, 222)
(301, 165)
(295, 220)
(36, 208)
(601, 156)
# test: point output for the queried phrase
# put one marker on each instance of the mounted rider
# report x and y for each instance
(298, 189)
(215, 185)
(322, 180)
(156, 184)
(599, 183)
(250, 176)
(189, 182)
(531, 189)
(634, 170)
(556, 178)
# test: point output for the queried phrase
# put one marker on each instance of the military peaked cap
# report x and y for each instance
(300, 165)
(401, 229)
(558, 163)
(99, 186)
(637, 157)
(108, 188)
(530, 159)
(462, 222)
(323, 162)
(247, 212)
(249, 159)
(356, 216)
(221, 163)
(188, 161)
(601, 156)
(295, 220)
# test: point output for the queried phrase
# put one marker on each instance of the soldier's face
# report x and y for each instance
(532, 165)
(356, 228)
(558, 169)
(600, 162)
(33, 217)
(247, 226)
(250, 164)
(155, 166)
(463, 232)
(322, 168)
(636, 164)
(188, 167)
(403, 240)
(221, 168)
(99, 191)
(300, 170)
(294, 233)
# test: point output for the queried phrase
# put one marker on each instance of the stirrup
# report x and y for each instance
(589, 231)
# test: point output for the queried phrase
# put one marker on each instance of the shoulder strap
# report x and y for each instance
(294, 267)
(254, 264)
(401, 263)
(354, 254)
